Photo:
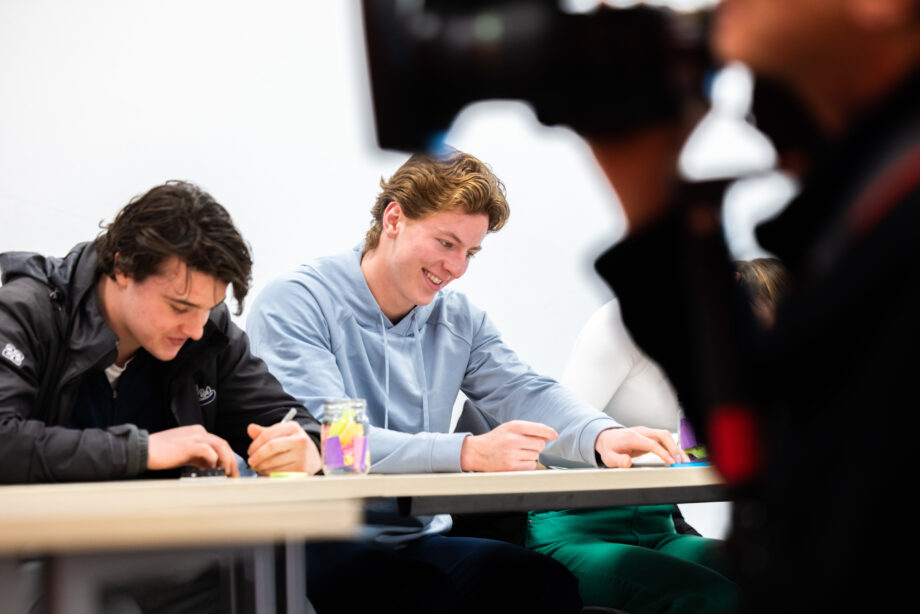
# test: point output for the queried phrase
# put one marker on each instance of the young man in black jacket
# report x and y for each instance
(120, 359)
(811, 423)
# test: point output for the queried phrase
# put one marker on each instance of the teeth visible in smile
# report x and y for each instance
(434, 279)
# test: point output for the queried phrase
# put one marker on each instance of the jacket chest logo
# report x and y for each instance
(206, 395)
(12, 353)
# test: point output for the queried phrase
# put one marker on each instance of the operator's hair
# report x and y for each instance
(427, 184)
(176, 219)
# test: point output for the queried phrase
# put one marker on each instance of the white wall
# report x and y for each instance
(266, 105)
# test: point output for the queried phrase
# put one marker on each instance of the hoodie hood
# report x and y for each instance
(356, 294)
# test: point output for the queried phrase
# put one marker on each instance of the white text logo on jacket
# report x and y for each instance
(11, 353)
(206, 395)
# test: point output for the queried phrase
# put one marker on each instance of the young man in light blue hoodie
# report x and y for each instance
(376, 323)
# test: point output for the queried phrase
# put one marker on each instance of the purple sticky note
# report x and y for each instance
(333, 458)
(687, 438)
(360, 449)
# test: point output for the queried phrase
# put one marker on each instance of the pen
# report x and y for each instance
(289, 416)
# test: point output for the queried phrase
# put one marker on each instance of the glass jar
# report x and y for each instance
(686, 439)
(344, 437)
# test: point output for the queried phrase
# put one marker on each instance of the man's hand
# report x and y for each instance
(190, 445)
(282, 447)
(512, 446)
(617, 446)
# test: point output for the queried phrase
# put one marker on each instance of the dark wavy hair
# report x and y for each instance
(176, 219)
(427, 184)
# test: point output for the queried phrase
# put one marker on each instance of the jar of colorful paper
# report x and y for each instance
(344, 437)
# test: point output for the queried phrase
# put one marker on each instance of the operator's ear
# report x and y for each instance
(885, 14)
(118, 276)
(392, 216)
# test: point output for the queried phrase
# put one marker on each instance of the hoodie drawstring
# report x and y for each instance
(386, 374)
(423, 379)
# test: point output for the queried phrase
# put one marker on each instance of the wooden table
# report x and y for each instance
(197, 514)
(167, 513)
(431, 493)
(90, 532)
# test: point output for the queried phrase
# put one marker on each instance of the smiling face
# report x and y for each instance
(416, 258)
(162, 312)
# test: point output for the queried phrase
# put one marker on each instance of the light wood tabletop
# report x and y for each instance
(200, 511)
(166, 513)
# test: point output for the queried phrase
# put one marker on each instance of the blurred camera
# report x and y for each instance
(605, 72)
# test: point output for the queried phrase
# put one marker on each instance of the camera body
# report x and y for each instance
(605, 72)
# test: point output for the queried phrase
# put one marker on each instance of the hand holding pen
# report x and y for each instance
(282, 447)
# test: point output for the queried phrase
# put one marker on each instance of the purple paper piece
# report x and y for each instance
(359, 444)
(333, 458)
(687, 437)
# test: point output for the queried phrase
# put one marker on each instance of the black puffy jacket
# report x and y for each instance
(52, 334)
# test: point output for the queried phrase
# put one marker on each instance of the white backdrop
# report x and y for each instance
(267, 106)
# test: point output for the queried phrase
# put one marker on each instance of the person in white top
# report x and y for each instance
(643, 559)
(639, 558)
(609, 371)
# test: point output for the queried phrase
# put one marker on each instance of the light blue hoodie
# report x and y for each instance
(323, 336)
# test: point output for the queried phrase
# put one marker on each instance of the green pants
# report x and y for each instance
(632, 558)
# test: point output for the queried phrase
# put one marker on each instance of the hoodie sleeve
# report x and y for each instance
(289, 329)
(503, 387)
(30, 450)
